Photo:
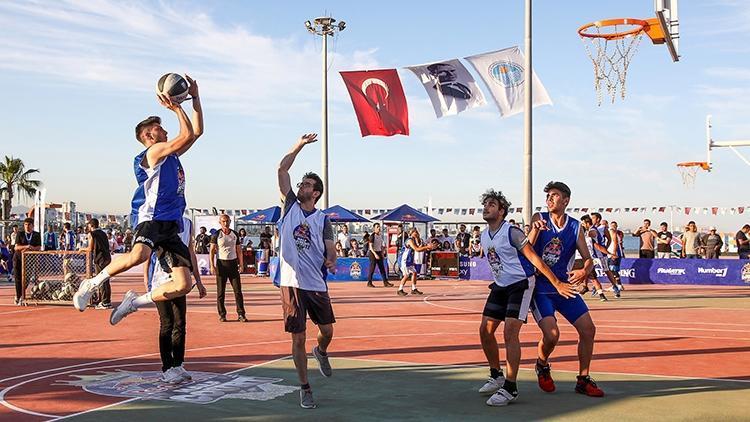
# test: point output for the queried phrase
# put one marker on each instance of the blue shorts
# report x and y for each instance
(545, 305)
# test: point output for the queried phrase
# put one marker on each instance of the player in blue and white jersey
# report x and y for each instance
(556, 236)
(157, 208)
(513, 262)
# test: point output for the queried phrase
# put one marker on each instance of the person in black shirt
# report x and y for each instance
(98, 247)
(26, 240)
(664, 242)
(743, 242)
(462, 241)
(202, 242)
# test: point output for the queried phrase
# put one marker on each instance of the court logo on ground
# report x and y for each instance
(206, 387)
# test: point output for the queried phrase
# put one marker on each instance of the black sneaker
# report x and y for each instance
(387, 284)
(222, 319)
(402, 293)
(242, 318)
(416, 292)
(369, 284)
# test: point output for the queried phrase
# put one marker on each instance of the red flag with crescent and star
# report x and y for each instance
(379, 101)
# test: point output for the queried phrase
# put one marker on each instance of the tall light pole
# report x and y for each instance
(527, 108)
(325, 27)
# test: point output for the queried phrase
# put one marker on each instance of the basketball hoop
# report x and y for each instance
(689, 170)
(611, 44)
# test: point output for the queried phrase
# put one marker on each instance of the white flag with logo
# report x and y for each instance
(450, 86)
(504, 75)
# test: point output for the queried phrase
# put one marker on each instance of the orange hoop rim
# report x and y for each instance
(640, 24)
(702, 164)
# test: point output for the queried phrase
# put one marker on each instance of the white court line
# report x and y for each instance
(449, 365)
(21, 311)
(58, 418)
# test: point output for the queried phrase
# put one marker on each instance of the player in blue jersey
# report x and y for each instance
(157, 208)
(512, 261)
(556, 236)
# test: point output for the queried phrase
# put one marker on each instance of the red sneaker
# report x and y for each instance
(546, 383)
(585, 385)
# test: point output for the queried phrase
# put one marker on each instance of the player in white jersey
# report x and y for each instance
(157, 208)
(412, 245)
(591, 234)
(598, 239)
(172, 313)
(513, 262)
(306, 252)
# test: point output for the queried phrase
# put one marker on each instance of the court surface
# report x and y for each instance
(663, 353)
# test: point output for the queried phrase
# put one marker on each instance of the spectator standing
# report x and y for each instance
(366, 244)
(112, 242)
(664, 242)
(690, 241)
(226, 248)
(376, 255)
(463, 240)
(268, 236)
(344, 237)
(27, 240)
(5, 265)
(67, 238)
(50, 239)
(648, 239)
(202, 241)
(244, 239)
(128, 240)
(743, 242)
(100, 257)
(82, 237)
(713, 244)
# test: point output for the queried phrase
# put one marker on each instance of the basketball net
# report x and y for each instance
(688, 174)
(611, 58)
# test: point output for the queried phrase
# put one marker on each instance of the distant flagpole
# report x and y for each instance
(527, 145)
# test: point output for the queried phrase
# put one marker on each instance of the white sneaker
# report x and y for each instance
(172, 376)
(492, 385)
(124, 309)
(501, 398)
(185, 374)
(83, 295)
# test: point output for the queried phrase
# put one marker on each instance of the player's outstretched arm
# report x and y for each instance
(197, 119)
(565, 289)
(161, 150)
(285, 184)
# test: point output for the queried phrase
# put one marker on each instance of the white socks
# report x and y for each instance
(143, 300)
(100, 278)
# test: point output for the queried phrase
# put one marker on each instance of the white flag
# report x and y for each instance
(504, 75)
(450, 86)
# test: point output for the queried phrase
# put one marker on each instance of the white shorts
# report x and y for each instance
(408, 269)
(602, 263)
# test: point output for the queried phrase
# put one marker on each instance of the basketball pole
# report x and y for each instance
(324, 131)
(527, 109)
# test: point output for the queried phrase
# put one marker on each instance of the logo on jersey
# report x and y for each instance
(302, 236)
(355, 271)
(552, 251)
(745, 273)
(180, 181)
(494, 260)
(205, 388)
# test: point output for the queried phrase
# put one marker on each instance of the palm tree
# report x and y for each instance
(15, 178)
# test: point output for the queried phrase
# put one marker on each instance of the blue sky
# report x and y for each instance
(78, 75)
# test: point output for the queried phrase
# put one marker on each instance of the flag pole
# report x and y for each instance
(527, 145)
(324, 134)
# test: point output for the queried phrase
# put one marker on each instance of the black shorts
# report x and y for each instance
(511, 301)
(164, 238)
(298, 303)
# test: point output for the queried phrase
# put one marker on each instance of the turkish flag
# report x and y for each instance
(379, 101)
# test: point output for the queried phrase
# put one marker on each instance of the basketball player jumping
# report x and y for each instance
(556, 236)
(157, 208)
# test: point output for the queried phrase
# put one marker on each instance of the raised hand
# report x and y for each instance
(167, 102)
(193, 86)
(308, 138)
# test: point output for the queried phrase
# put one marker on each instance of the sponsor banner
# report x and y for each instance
(732, 272)
(354, 269)
(474, 268)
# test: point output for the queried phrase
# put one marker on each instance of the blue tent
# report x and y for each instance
(407, 214)
(339, 214)
(268, 215)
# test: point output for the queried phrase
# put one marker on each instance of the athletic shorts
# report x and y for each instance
(164, 238)
(545, 305)
(601, 262)
(299, 303)
(408, 269)
(510, 301)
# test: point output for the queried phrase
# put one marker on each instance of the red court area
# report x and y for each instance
(670, 331)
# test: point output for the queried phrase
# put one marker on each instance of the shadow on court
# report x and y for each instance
(362, 390)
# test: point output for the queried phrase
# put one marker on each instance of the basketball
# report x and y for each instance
(174, 86)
